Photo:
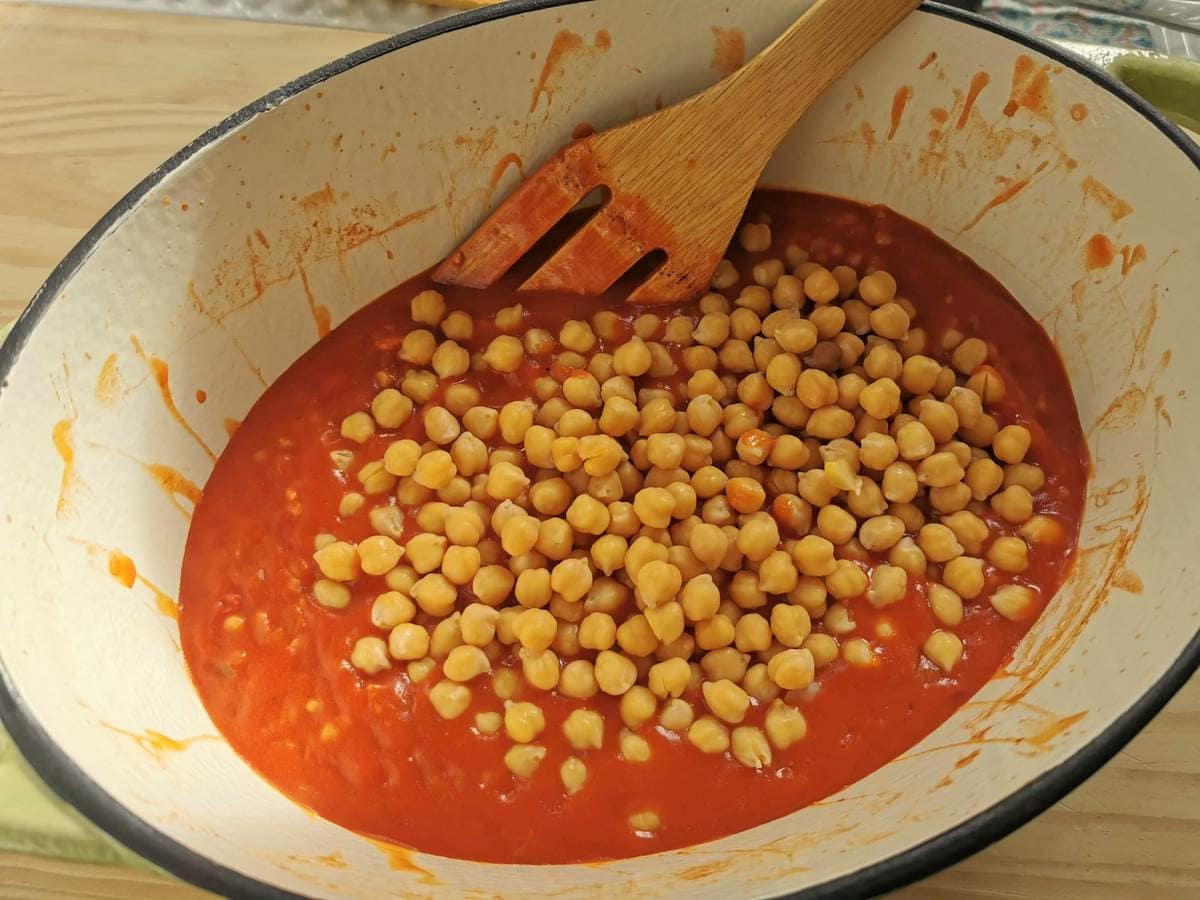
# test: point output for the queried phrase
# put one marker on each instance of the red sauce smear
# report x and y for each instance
(979, 81)
(1098, 252)
(390, 768)
(729, 50)
(1030, 88)
(899, 101)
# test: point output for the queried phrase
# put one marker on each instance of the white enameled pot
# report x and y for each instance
(215, 273)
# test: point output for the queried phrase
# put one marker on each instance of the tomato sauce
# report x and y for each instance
(372, 755)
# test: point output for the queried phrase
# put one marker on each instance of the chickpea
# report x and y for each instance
(523, 721)
(823, 647)
(370, 656)
(964, 576)
(493, 584)
(883, 360)
(1042, 529)
(338, 561)
(725, 700)
(584, 729)
(1014, 504)
(708, 735)
(654, 506)
(940, 470)
(666, 621)
(814, 556)
(908, 556)
(390, 608)
(450, 700)
(788, 452)
(759, 685)
(712, 633)
(478, 624)
(890, 320)
(535, 628)
(481, 422)
(458, 326)
(638, 706)
(758, 538)
(1011, 443)
(877, 288)
(1014, 601)
(792, 669)
(523, 759)
(982, 433)
(1009, 554)
(889, 584)
(830, 422)
(434, 470)
(859, 652)
(379, 554)
(754, 238)
(784, 725)
(428, 308)
(676, 715)
(390, 409)
(540, 668)
(939, 543)
(847, 580)
(881, 398)
(712, 330)
(488, 722)
(417, 348)
(984, 478)
(466, 662)
(504, 354)
(573, 774)
(744, 593)
(506, 481)
(665, 450)
(1024, 475)
(947, 606)
(880, 532)
(450, 361)
(577, 336)
(790, 625)
(700, 598)
(669, 678)
(919, 374)
(459, 564)
(608, 553)
(615, 673)
(943, 649)
(820, 286)
(816, 389)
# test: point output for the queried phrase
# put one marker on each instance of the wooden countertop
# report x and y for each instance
(81, 123)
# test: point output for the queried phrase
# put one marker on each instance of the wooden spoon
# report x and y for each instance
(679, 179)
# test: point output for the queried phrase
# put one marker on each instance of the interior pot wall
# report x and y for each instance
(224, 272)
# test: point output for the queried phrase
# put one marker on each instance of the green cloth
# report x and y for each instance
(33, 820)
(1170, 83)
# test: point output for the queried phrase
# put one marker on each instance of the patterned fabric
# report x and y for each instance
(1160, 25)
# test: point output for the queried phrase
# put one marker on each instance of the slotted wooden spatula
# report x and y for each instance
(678, 179)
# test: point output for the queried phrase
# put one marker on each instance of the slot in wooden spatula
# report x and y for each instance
(678, 179)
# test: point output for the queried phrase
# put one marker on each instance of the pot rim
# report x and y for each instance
(73, 785)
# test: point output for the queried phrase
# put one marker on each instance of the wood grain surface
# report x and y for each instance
(81, 122)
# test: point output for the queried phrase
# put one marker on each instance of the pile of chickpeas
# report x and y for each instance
(679, 509)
